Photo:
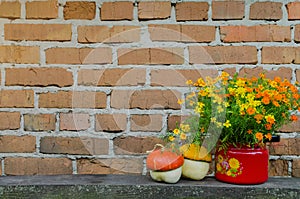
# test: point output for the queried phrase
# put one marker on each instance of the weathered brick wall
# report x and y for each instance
(87, 86)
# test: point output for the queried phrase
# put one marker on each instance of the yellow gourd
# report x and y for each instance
(195, 152)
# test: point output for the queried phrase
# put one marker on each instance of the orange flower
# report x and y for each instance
(250, 111)
(269, 136)
(258, 118)
(278, 97)
(294, 118)
(277, 79)
(262, 75)
(249, 131)
(265, 100)
(268, 126)
(275, 103)
(259, 136)
(270, 119)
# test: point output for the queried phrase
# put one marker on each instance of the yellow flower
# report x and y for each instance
(240, 83)
(220, 158)
(226, 104)
(273, 84)
(213, 119)
(199, 108)
(220, 109)
(219, 124)
(171, 138)
(201, 82)
(185, 127)
(228, 173)
(176, 131)
(224, 74)
(189, 82)
(219, 168)
(180, 101)
(234, 163)
(227, 124)
(183, 136)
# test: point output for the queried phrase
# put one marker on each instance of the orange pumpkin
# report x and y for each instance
(164, 160)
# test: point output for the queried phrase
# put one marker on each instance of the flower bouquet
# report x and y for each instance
(242, 113)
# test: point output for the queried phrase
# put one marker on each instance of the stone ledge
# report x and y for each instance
(136, 186)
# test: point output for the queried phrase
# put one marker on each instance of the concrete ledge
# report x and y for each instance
(136, 186)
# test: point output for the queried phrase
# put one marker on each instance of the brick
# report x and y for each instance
(293, 10)
(125, 95)
(181, 33)
(111, 11)
(152, 56)
(175, 120)
(112, 77)
(278, 168)
(16, 99)
(38, 32)
(17, 144)
(231, 71)
(298, 77)
(154, 10)
(191, 11)
(146, 123)
(20, 54)
(38, 77)
(76, 99)
(296, 168)
(79, 10)
(145, 99)
(261, 33)
(286, 146)
(223, 54)
(10, 9)
(74, 121)
(228, 10)
(78, 56)
(9, 120)
(155, 99)
(105, 34)
(134, 145)
(37, 166)
(170, 77)
(282, 72)
(39, 122)
(266, 10)
(42, 9)
(297, 33)
(111, 122)
(250, 72)
(74, 145)
(110, 166)
(280, 55)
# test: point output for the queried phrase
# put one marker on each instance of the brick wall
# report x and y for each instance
(87, 86)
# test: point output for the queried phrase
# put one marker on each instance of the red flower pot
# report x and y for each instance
(242, 165)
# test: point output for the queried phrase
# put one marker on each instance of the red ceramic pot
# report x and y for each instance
(242, 165)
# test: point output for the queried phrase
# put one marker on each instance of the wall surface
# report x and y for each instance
(86, 87)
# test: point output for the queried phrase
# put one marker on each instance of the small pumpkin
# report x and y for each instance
(164, 165)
